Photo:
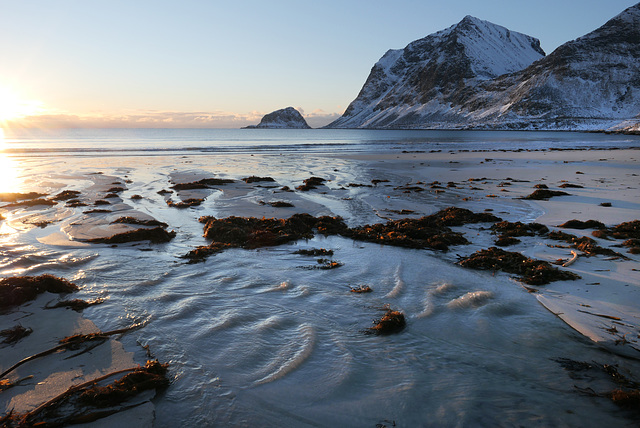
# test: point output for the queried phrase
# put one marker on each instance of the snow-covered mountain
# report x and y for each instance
(479, 75)
(284, 118)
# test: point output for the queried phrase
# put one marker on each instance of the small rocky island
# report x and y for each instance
(286, 118)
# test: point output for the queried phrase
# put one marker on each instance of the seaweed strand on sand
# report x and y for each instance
(89, 401)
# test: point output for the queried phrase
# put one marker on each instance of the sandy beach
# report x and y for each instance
(362, 188)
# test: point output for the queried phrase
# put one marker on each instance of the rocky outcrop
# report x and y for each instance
(283, 119)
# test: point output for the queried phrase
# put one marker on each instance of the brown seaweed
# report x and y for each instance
(255, 179)
(361, 289)
(15, 291)
(134, 220)
(277, 204)
(191, 202)
(66, 195)
(315, 252)
(155, 235)
(581, 225)
(505, 228)
(87, 402)
(76, 304)
(544, 194)
(14, 334)
(391, 322)
(431, 232)
(530, 271)
(205, 183)
(427, 232)
(311, 183)
(506, 241)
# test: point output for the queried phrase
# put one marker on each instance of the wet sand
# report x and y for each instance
(361, 188)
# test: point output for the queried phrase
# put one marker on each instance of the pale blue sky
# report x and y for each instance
(237, 60)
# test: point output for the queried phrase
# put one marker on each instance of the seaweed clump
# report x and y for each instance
(505, 228)
(391, 322)
(15, 291)
(427, 232)
(191, 202)
(584, 244)
(249, 232)
(581, 225)
(88, 402)
(255, 179)
(315, 252)
(252, 232)
(311, 183)
(544, 194)
(134, 220)
(530, 271)
(66, 195)
(152, 376)
(14, 334)
(205, 183)
(155, 235)
(626, 395)
(76, 304)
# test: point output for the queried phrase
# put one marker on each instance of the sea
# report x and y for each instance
(261, 337)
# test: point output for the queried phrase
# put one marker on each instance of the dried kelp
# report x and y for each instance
(530, 271)
(89, 401)
(71, 343)
(15, 291)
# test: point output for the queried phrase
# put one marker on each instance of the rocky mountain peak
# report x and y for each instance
(435, 67)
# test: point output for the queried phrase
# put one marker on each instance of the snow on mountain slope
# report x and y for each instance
(432, 69)
(479, 75)
(588, 83)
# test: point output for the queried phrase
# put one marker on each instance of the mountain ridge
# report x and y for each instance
(478, 75)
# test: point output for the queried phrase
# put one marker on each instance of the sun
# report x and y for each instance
(13, 107)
